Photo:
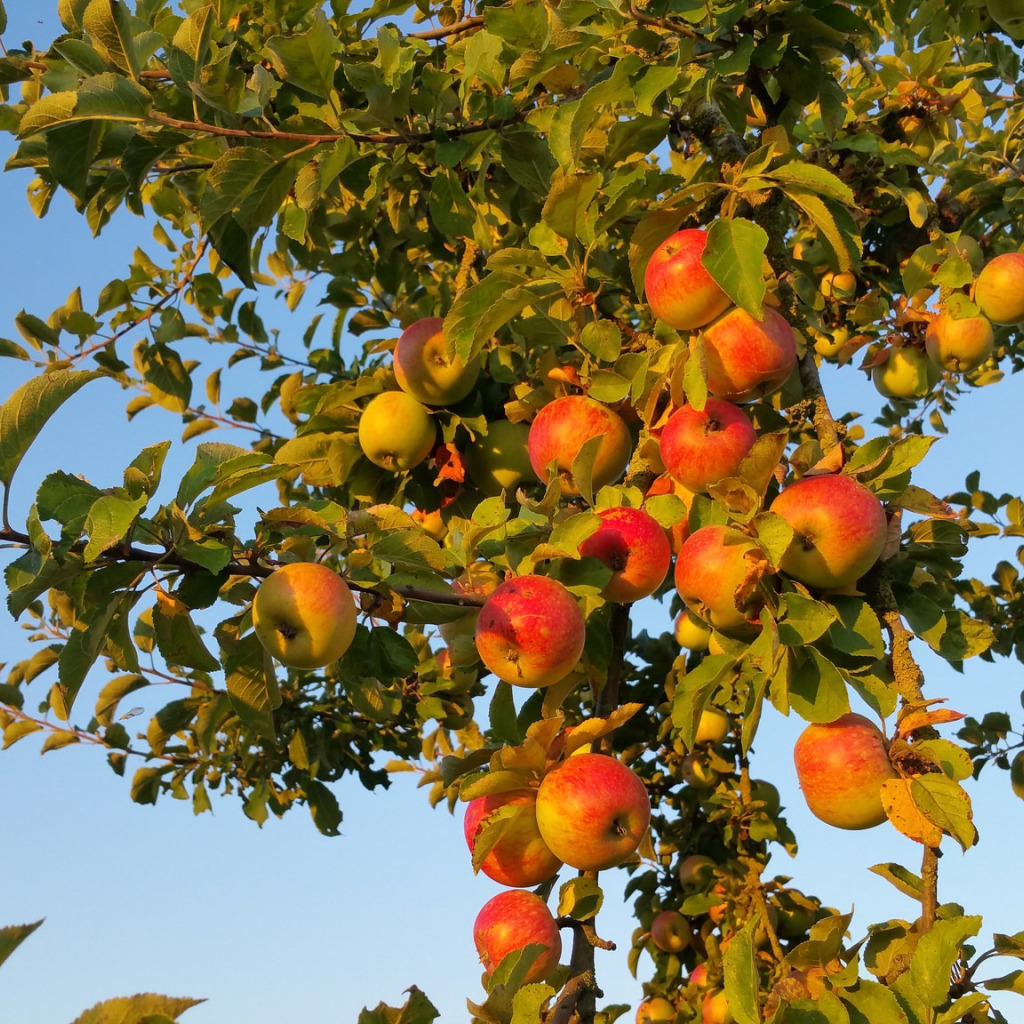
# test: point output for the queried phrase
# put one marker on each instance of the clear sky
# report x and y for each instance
(281, 923)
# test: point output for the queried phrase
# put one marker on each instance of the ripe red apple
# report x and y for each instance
(841, 766)
(635, 548)
(530, 631)
(671, 932)
(304, 615)
(999, 289)
(748, 358)
(679, 290)
(907, 373)
(839, 530)
(520, 857)
(657, 1010)
(678, 532)
(699, 975)
(395, 431)
(699, 447)
(424, 369)
(718, 574)
(563, 426)
(593, 811)
(511, 921)
(961, 344)
(499, 460)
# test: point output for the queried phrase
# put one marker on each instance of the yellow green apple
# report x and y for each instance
(395, 431)
(424, 369)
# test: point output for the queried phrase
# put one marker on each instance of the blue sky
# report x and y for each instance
(280, 923)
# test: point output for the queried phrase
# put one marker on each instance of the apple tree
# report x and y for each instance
(562, 282)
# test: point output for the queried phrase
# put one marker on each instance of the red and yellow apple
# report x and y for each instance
(841, 766)
(999, 288)
(593, 811)
(635, 547)
(499, 460)
(563, 426)
(718, 575)
(511, 921)
(656, 1010)
(678, 288)
(671, 931)
(747, 358)
(959, 345)
(304, 615)
(839, 530)
(530, 631)
(715, 1008)
(699, 447)
(520, 857)
(424, 369)
(395, 431)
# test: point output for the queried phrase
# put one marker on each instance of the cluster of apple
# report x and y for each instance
(582, 809)
(958, 338)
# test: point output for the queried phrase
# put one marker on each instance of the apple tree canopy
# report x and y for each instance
(511, 167)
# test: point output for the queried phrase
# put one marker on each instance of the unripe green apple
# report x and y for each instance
(906, 373)
(691, 633)
(696, 871)
(304, 615)
(424, 369)
(395, 431)
(713, 726)
(1017, 774)
(499, 460)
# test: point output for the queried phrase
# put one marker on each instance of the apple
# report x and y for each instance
(304, 615)
(696, 771)
(691, 633)
(718, 574)
(671, 932)
(499, 460)
(520, 857)
(593, 811)
(480, 578)
(530, 631)
(424, 369)
(677, 532)
(907, 373)
(715, 1008)
(657, 1010)
(431, 523)
(1017, 774)
(563, 426)
(395, 431)
(839, 530)
(841, 285)
(511, 921)
(999, 288)
(712, 727)
(699, 447)
(635, 547)
(678, 288)
(699, 975)
(696, 871)
(747, 358)
(841, 766)
(961, 344)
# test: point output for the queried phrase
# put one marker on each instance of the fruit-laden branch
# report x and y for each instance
(252, 568)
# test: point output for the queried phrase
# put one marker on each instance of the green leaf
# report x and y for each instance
(177, 636)
(307, 60)
(871, 1002)
(936, 953)
(835, 229)
(741, 980)
(905, 881)
(54, 108)
(108, 24)
(145, 1008)
(694, 690)
(857, 631)
(81, 650)
(813, 178)
(566, 208)
(29, 407)
(817, 691)
(482, 309)
(19, 729)
(109, 519)
(190, 48)
(323, 460)
(450, 208)
(252, 685)
(944, 802)
(12, 936)
(734, 256)
(602, 339)
(167, 379)
(580, 898)
(802, 620)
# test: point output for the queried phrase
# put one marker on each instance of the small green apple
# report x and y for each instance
(395, 431)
